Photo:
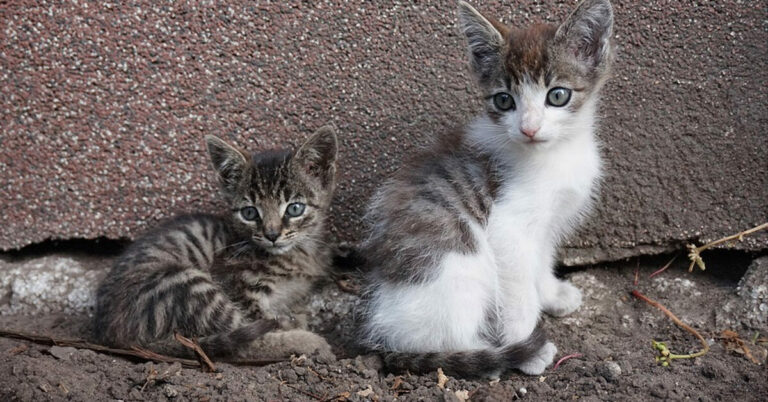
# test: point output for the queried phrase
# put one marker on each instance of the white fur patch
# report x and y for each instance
(445, 314)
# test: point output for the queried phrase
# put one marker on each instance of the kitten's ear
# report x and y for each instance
(227, 160)
(586, 34)
(485, 40)
(317, 156)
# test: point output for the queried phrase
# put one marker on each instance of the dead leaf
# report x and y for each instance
(733, 343)
(19, 349)
(397, 383)
(441, 378)
(463, 395)
(366, 392)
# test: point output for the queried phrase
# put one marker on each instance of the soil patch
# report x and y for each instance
(612, 331)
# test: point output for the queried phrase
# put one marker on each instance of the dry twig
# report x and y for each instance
(667, 356)
(205, 362)
(135, 351)
(664, 268)
(637, 272)
(694, 253)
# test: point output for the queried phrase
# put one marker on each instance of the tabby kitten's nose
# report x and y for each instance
(272, 235)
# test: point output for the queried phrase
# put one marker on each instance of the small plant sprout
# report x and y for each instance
(694, 253)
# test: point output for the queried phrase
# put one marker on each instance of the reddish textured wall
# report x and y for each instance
(103, 107)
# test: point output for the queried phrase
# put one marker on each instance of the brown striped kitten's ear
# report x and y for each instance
(485, 39)
(229, 163)
(317, 156)
(586, 34)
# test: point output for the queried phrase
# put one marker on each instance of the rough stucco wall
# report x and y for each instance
(103, 108)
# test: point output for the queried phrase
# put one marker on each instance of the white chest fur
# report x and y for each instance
(544, 194)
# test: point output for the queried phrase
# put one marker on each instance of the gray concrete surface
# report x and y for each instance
(748, 306)
(103, 106)
(53, 283)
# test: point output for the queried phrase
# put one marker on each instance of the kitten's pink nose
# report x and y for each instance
(529, 132)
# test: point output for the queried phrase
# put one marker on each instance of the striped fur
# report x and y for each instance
(469, 363)
(463, 238)
(217, 277)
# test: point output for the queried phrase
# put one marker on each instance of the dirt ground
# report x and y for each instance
(612, 332)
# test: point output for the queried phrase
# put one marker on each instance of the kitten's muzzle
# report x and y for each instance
(271, 235)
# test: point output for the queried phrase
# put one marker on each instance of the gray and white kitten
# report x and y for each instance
(229, 279)
(463, 238)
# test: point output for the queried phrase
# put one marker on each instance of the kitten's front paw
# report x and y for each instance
(565, 301)
(292, 321)
(539, 362)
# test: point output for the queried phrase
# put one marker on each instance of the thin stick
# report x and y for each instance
(637, 272)
(694, 253)
(564, 358)
(664, 268)
(135, 351)
(205, 362)
(679, 323)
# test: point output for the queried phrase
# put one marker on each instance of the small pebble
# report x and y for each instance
(522, 391)
(609, 370)
(62, 353)
(169, 391)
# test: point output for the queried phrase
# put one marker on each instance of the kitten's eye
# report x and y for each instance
(249, 213)
(558, 96)
(295, 209)
(503, 101)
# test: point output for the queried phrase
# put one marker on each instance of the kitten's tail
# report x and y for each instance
(226, 344)
(469, 364)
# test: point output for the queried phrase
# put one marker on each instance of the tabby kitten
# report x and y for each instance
(229, 279)
(463, 238)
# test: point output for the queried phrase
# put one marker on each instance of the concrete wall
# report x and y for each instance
(103, 107)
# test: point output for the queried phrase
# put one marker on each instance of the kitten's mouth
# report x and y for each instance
(278, 248)
(535, 141)
(273, 248)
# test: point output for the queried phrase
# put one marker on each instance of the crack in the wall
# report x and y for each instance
(97, 247)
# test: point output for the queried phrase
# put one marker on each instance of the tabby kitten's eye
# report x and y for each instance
(249, 213)
(503, 101)
(295, 209)
(558, 96)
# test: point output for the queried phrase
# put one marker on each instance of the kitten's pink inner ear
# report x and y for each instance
(587, 31)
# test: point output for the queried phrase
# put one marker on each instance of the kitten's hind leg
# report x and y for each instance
(543, 358)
